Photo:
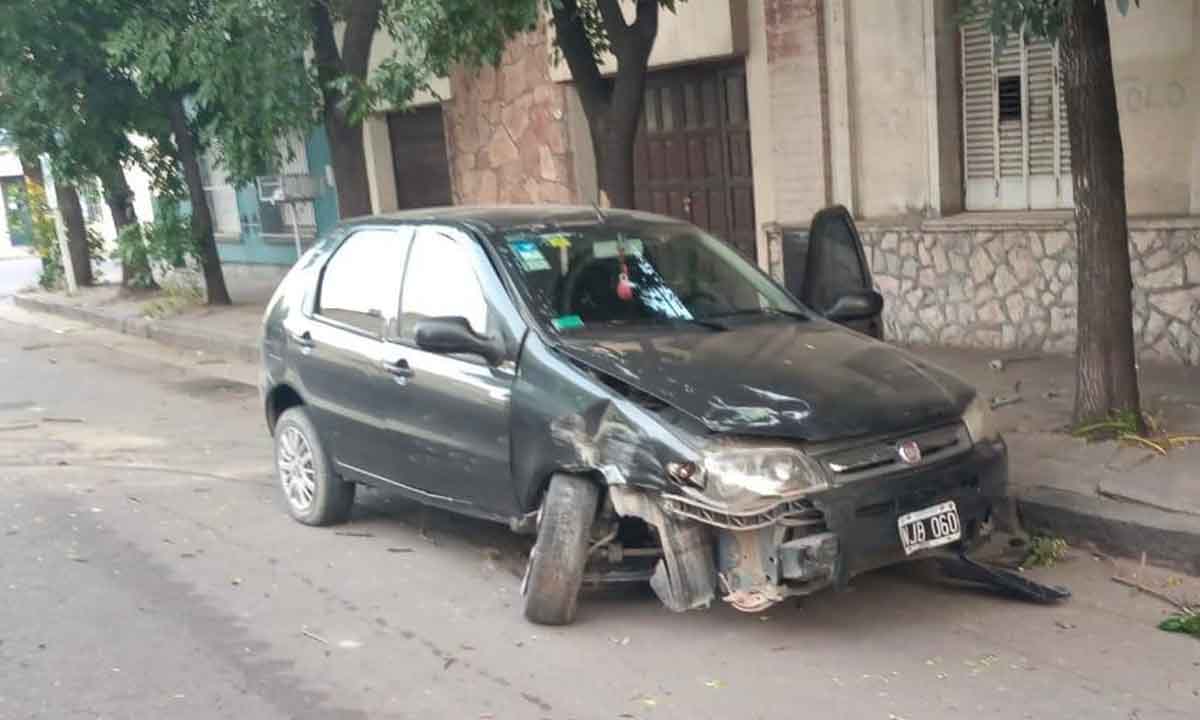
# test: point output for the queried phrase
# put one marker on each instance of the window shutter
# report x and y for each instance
(978, 110)
(1016, 151)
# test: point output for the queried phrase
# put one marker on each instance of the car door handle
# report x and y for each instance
(399, 369)
(303, 339)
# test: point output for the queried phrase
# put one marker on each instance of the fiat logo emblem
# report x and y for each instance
(909, 452)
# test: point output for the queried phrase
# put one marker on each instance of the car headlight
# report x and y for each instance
(980, 420)
(747, 476)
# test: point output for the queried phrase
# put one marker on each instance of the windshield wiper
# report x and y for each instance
(795, 314)
(702, 322)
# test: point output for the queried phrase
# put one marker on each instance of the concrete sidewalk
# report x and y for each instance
(1118, 499)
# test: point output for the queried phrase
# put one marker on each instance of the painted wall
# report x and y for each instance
(888, 128)
(1156, 59)
(1157, 68)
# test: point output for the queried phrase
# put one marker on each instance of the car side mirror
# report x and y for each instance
(453, 335)
(857, 305)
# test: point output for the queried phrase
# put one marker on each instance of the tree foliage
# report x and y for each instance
(59, 97)
(239, 64)
(1037, 18)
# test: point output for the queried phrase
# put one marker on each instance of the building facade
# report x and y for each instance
(951, 154)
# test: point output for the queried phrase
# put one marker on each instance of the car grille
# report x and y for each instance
(878, 456)
(791, 513)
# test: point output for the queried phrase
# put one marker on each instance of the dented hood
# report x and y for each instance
(809, 380)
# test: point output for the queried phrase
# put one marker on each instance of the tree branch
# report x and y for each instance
(614, 24)
(594, 91)
(645, 25)
(325, 50)
(361, 25)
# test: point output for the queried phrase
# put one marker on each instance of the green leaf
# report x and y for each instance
(1188, 624)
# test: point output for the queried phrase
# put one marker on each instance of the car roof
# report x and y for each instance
(499, 218)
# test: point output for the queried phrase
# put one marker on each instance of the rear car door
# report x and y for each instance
(450, 414)
(338, 350)
(836, 266)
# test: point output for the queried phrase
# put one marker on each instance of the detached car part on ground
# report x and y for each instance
(647, 402)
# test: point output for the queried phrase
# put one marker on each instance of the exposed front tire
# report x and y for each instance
(555, 571)
(315, 495)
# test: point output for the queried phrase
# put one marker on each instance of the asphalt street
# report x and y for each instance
(148, 569)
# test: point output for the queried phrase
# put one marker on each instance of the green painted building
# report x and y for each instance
(253, 235)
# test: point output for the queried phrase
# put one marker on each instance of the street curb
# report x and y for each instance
(163, 331)
(1127, 529)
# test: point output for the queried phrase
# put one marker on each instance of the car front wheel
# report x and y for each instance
(555, 570)
(315, 495)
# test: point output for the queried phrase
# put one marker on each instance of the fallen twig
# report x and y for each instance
(1002, 400)
(62, 419)
(1130, 437)
(18, 426)
(354, 533)
(309, 634)
(1180, 606)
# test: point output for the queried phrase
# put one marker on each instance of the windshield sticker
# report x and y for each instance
(529, 256)
(558, 240)
(567, 322)
(610, 249)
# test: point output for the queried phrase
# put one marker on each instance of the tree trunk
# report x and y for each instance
(119, 199)
(202, 224)
(613, 107)
(348, 153)
(617, 131)
(346, 144)
(77, 236)
(1106, 379)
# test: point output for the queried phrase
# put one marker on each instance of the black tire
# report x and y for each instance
(555, 570)
(331, 497)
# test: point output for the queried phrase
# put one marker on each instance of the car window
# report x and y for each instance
(635, 274)
(836, 268)
(362, 279)
(440, 281)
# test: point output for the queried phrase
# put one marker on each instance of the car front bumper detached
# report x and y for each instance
(801, 546)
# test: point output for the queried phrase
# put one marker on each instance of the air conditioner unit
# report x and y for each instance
(292, 188)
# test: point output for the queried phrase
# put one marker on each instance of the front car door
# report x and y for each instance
(338, 349)
(836, 265)
(450, 416)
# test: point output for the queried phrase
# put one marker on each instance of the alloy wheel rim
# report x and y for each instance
(297, 470)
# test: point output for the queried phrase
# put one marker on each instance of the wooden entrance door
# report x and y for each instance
(692, 154)
(419, 158)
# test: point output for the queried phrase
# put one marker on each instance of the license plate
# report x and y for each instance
(929, 528)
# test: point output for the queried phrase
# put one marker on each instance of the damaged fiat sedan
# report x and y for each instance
(630, 390)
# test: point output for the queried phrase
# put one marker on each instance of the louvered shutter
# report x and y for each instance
(1014, 119)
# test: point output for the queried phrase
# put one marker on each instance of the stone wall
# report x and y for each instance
(506, 130)
(1012, 286)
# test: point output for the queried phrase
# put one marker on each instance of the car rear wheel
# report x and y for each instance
(315, 495)
(555, 570)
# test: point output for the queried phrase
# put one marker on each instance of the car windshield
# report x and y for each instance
(605, 274)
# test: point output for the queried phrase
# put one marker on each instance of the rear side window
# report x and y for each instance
(440, 281)
(361, 282)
